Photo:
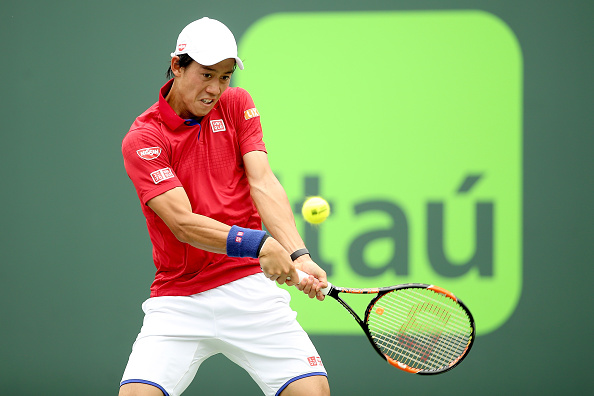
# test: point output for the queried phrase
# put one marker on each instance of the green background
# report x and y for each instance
(433, 96)
(76, 262)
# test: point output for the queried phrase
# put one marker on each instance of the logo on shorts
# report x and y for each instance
(149, 153)
(162, 174)
(251, 113)
(217, 125)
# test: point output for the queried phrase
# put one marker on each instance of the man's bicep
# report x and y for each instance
(257, 167)
(171, 205)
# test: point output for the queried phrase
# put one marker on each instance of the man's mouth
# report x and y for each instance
(207, 101)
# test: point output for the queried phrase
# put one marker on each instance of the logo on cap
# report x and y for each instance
(149, 153)
(181, 47)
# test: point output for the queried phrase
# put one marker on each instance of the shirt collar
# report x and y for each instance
(171, 119)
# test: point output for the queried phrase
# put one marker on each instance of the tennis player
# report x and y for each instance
(200, 168)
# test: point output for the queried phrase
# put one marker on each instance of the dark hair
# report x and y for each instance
(184, 61)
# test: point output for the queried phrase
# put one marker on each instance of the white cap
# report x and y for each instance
(208, 42)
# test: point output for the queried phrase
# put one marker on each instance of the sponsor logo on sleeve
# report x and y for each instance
(251, 113)
(162, 174)
(149, 153)
(217, 125)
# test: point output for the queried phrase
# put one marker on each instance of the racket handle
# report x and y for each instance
(303, 275)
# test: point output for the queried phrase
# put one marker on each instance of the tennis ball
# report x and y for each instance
(315, 210)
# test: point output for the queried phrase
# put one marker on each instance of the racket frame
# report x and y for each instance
(334, 291)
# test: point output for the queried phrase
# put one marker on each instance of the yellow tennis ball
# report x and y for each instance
(315, 210)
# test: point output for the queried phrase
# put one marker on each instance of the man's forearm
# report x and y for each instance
(275, 210)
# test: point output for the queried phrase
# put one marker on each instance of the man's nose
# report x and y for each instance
(213, 88)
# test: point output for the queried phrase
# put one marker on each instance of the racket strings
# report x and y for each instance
(414, 341)
(420, 328)
(420, 350)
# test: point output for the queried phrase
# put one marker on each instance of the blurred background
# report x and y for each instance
(76, 260)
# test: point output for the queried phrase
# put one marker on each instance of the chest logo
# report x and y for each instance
(217, 125)
(149, 153)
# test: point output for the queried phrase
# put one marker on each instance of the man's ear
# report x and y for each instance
(175, 67)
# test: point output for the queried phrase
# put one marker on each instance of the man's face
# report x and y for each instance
(198, 87)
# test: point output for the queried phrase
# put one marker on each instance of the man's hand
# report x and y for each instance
(276, 263)
(317, 277)
(277, 266)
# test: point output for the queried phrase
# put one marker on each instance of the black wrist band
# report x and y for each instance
(264, 238)
(299, 253)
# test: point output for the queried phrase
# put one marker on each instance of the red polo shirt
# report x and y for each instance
(161, 151)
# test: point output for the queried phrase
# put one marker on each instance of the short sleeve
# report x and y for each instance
(148, 164)
(246, 114)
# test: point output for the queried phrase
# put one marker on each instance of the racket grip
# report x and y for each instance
(303, 275)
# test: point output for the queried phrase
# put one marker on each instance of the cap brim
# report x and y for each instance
(213, 61)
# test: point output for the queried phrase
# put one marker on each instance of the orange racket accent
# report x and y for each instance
(379, 311)
(402, 366)
(439, 290)
(373, 290)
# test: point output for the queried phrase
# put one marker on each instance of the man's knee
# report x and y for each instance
(309, 386)
(139, 389)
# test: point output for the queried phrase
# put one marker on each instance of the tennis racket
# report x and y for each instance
(418, 328)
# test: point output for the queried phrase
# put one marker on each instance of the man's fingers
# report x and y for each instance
(292, 278)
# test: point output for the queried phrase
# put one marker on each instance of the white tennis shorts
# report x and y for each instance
(249, 321)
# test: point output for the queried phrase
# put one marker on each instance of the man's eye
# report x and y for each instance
(225, 78)
(207, 75)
